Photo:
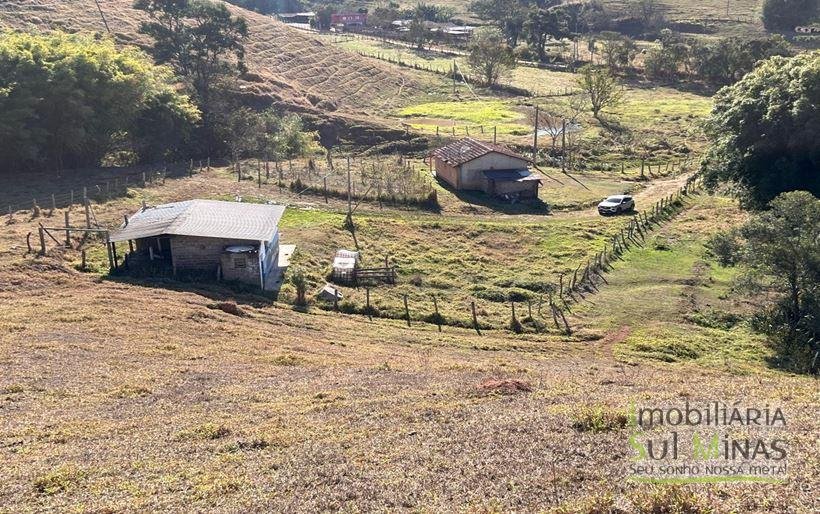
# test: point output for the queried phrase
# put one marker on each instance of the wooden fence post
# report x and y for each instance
(475, 318)
(67, 232)
(369, 313)
(406, 311)
(438, 317)
(87, 213)
(42, 240)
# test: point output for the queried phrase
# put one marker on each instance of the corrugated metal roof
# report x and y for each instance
(467, 149)
(204, 218)
(512, 175)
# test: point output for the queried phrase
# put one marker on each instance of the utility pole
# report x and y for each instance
(349, 197)
(535, 139)
(564, 146)
(103, 16)
(454, 76)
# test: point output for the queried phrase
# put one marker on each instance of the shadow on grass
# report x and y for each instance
(242, 294)
(533, 206)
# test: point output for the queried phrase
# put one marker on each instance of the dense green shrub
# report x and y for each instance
(68, 100)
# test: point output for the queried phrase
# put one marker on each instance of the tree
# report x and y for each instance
(489, 56)
(202, 41)
(618, 50)
(242, 127)
(298, 278)
(68, 100)
(649, 13)
(507, 15)
(727, 60)
(282, 137)
(324, 15)
(787, 14)
(780, 250)
(765, 131)
(601, 88)
(666, 62)
(542, 24)
(418, 32)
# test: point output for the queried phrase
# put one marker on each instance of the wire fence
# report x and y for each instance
(102, 190)
(554, 303)
(551, 307)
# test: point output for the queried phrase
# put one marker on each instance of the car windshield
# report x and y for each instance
(614, 199)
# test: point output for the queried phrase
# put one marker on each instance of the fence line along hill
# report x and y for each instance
(291, 68)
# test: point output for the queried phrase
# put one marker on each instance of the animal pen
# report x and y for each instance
(387, 180)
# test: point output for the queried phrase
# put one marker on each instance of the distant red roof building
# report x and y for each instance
(348, 19)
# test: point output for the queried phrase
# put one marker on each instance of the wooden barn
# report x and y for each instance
(225, 240)
(469, 164)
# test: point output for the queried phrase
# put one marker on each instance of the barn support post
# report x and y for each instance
(111, 263)
(114, 255)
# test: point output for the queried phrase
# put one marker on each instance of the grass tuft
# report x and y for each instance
(599, 418)
(59, 479)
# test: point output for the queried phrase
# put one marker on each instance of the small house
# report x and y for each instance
(298, 19)
(472, 165)
(356, 19)
(226, 240)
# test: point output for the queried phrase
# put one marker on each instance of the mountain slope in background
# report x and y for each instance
(287, 67)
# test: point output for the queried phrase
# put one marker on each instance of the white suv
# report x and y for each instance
(616, 205)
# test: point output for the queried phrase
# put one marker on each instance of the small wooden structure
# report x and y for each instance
(346, 270)
(469, 164)
(225, 240)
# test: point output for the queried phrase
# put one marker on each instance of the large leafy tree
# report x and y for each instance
(618, 50)
(508, 15)
(543, 23)
(727, 60)
(489, 56)
(787, 14)
(202, 41)
(765, 130)
(780, 250)
(68, 100)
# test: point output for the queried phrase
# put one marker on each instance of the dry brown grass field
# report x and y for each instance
(122, 394)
